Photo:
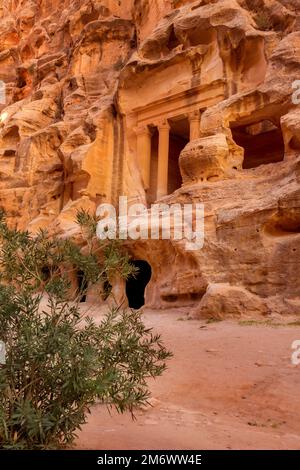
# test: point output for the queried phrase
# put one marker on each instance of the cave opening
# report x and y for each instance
(82, 284)
(262, 143)
(173, 40)
(135, 285)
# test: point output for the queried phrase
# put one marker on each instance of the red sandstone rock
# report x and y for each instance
(91, 89)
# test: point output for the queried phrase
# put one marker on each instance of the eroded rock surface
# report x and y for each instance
(170, 100)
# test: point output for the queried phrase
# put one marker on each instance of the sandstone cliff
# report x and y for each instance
(92, 89)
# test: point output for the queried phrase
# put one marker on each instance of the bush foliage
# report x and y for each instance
(59, 364)
(263, 20)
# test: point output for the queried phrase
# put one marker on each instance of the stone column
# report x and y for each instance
(194, 119)
(163, 159)
(144, 153)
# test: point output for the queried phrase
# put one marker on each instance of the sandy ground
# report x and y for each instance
(230, 385)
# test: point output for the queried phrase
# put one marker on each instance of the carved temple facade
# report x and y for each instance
(163, 128)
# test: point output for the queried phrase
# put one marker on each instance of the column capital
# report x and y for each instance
(163, 125)
(194, 120)
(143, 130)
(194, 115)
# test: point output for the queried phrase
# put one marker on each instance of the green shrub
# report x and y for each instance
(59, 364)
(264, 21)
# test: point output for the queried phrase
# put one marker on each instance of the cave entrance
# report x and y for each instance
(262, 142)
(82, 285)
(135, 285)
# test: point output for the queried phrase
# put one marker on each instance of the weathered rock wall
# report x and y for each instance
(82, 76)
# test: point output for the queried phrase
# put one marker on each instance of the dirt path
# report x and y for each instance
(228, 386)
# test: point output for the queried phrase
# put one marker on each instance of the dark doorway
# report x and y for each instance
(151, 193)
(179, 138)
(262, 142)
(135, 286)
(82, 286)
